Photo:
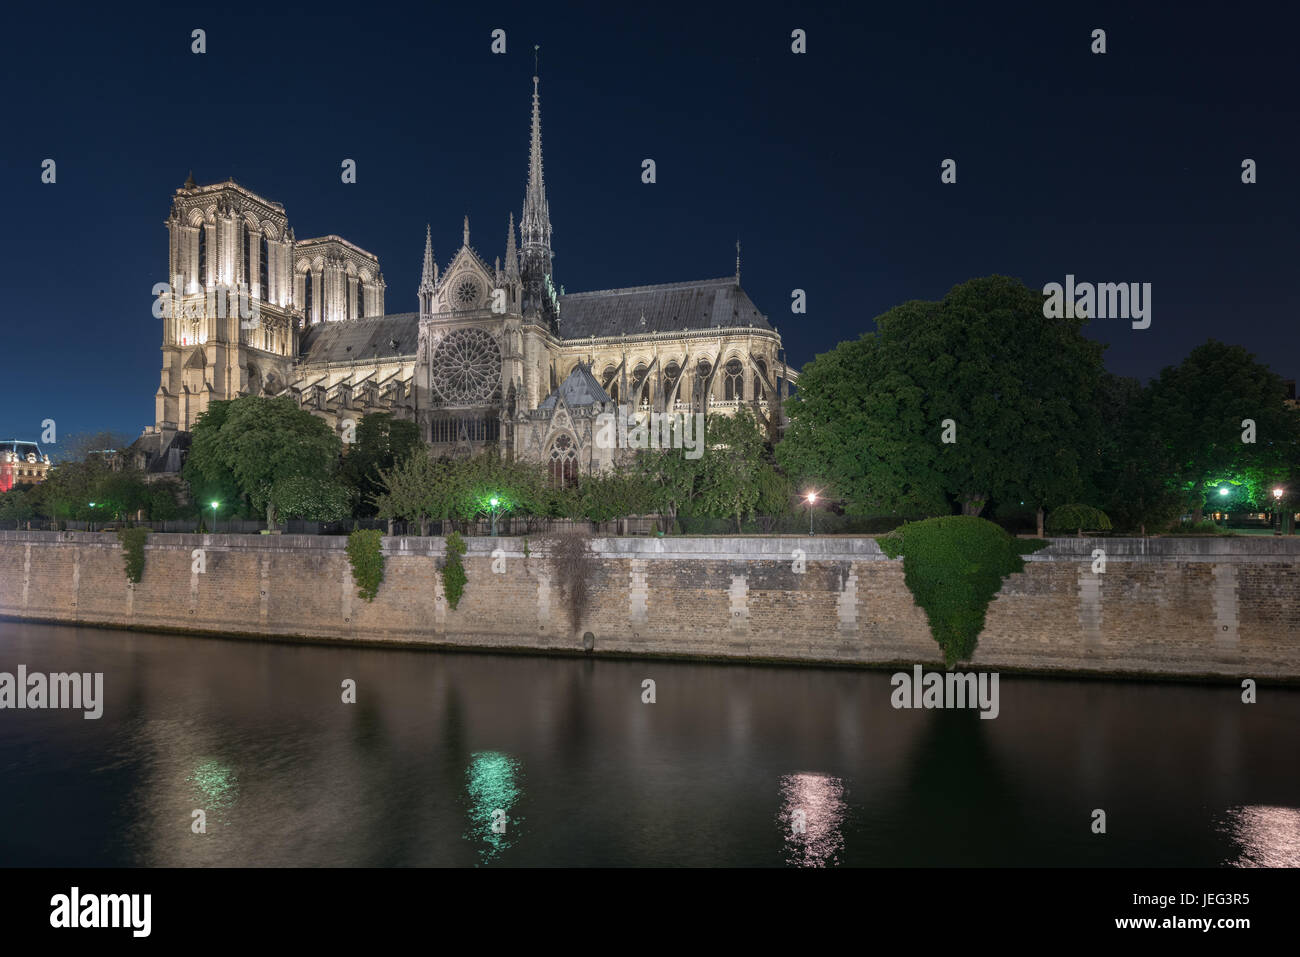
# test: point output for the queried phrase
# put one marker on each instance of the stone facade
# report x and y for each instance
(1224, 608)
(252, 310)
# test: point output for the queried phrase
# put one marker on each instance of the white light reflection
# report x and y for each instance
(1267, 836)
(812, 819)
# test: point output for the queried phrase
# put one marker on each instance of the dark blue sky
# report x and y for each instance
(1121, 167)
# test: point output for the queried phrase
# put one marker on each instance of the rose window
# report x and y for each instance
(467, 367)
(466, 294)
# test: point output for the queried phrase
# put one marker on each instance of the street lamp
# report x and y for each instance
(494, 502)
(1277, 507)
(214, 516)
(812, 499)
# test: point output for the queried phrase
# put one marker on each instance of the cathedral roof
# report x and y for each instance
(670, 307)
(579, 389)
(362, 340)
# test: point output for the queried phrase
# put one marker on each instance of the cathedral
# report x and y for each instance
(497, 356)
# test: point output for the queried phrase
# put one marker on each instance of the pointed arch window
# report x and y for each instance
(607, 381)
(562, 462)
(733, 384)
(760, 389)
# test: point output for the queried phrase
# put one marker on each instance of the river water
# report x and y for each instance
(475, 759)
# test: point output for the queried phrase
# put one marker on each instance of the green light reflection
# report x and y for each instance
(492, 785)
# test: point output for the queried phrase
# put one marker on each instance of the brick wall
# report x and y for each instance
(1196, 606)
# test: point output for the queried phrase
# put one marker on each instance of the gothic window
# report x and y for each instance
(451, 429)
(264, 268)
(248, 253)
(607, 381)
(638, 377)
(361, 299)
(307, 296)
(702, 370)
(672, 372)
(733, 384)
(203, 256)
(760, 390)
(562, 462)
(466, 294)
(466, 368)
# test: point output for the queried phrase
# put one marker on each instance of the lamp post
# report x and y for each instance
(92, 517)
(812, 499)
(1277, 507)
(214, 517)
(494, 502)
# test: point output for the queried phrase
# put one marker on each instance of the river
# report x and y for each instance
(467, 759)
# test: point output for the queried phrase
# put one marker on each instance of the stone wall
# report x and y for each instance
(1227, 607)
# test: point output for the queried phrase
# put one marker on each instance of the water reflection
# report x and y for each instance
(1266, 836)
(216, 789)
(493, 790)
(812, 819)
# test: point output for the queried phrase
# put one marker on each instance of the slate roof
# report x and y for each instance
(357, 340)
(670, 307)
(579, 389)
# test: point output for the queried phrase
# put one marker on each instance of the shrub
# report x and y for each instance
(453, 571)
(1071, 518)
(367, 561)
(132, 540)
(954, 566)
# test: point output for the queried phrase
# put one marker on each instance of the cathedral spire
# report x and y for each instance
(512, 254)
(467, 229)
(535, 228)
(429, 275)
(737, 262)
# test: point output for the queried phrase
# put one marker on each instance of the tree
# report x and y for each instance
(1133, 484)
(732, 460)
(257, 442)
(1217, 415)
(972, 398)
(671, 480)
(382, 442)
(312, 498)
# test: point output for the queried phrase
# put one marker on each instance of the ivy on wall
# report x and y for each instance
(453, 571)
(367, 561)
(132, 540)
(954, 566)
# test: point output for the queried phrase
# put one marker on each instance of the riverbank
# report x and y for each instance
(1214, 608)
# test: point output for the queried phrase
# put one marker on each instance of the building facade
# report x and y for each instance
(496, 355)
(21, 463)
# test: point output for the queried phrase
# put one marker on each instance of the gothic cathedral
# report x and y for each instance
(497, 355)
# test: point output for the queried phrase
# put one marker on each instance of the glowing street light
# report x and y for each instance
(1277, 507)
(214, 515)
(812, 500)
(1223, 491)
(494, 502)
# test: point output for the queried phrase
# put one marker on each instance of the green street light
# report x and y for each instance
(214, 515)
(494, 502)
(1223, 491)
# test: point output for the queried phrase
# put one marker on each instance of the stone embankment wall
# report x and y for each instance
(1225, 607)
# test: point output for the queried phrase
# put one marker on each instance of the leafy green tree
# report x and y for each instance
(381, 443)
(1076, 518)
(312, 498)
(257, 442)
(733, 459)
(954, 566)
(1197, 418)
(120, 494)
(15, 505)
(1018, 388)
(672, 480)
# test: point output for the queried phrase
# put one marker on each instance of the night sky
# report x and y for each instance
(1122, 167)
